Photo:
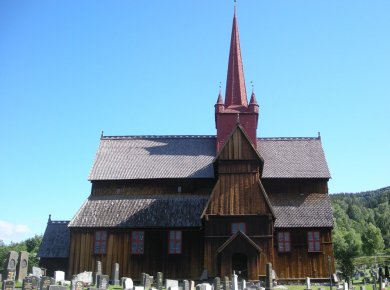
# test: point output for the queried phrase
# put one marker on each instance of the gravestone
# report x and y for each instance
(37, 272)
(268, 276)
(225, 284)
(77, 285)
(10, 265)
(140, 288)
(172, 288)
(308, 285)
(243, 284)
(127, 284)
(160, 280)
(234, 281)
(8, 285)
(203, 286)
(204, 276)
(103, 281)
(97, 272)
(59, 276)
(148, 282)
(22, 266)
(85, 277)
(186, 285)
(171, 283)
(192, 285)
(115, 275)
(217, 283)
(27, 283)
(345, 286)
(46, 282)
(1, 277)
(362, 288)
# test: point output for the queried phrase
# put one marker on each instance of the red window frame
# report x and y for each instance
(137, 242)
(284, 242)
(235, 227)
(100, 245)
(175, 242)
(313, 241)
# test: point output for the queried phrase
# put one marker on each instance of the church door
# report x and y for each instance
(240, 265)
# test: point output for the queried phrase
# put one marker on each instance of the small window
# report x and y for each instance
(284, 242)
(238, 227)
(100, 242)
(174, 242)
(313, 241)
(137, 242)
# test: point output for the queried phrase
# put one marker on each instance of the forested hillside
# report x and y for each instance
(364, 215)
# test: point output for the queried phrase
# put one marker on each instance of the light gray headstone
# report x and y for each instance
(171, 283)
(192, 285)
(148, 281)
(243, 284)
(186, 285)
(77, 285)
(103, 281)
(217, 283)
(37, 272)
(139, 288)
(308, 285)
(115, 275)
(59, 276)
(226, 284)
(234, 281)
(128, 284)
(172, 288)
(345, 286)
(85, 277)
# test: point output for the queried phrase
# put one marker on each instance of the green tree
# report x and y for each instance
(347, 245)
(372, 240)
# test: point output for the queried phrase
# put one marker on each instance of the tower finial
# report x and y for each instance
(235, 7)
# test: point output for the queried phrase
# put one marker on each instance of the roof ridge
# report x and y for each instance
(287, 138)
(157, 137)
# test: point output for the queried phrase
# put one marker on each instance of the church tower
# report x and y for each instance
(235, 109)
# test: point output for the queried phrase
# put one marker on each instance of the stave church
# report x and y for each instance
(187, 205)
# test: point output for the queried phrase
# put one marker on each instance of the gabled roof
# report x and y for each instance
(55, 241)
(159, 157)
(302, 210)
(154, 211)
(238, 235)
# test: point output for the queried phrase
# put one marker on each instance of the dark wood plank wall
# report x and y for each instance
(300, 263)
(217, 230)
(154, 259)
(295, 185)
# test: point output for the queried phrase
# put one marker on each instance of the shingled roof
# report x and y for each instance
(55, 241)
(302, 210)
(119, 211)
(158, 157)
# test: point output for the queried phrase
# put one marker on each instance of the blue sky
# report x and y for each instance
(70, 69)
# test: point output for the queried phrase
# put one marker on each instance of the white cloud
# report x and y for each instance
(13, 232)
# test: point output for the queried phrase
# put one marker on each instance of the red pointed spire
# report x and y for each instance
(235, 84)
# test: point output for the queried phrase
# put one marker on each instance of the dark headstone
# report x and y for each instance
(22, 266)
(115, 275)
(103, 281)
(143, 279)
(225, 284)
(10, 265)
(160, 280)
(217, 283)
(8, 285)
(268, 276)
(46, 282)
(27, 283)
(381, 272)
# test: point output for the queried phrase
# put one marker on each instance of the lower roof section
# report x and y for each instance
(302, 210)
(120, 211)
(184, 210)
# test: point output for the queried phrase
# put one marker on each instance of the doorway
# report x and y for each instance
(240, 265)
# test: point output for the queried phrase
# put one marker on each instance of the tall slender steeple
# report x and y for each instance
(235, 94)
(235, 108)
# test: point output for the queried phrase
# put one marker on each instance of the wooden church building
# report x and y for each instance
(229, 202)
